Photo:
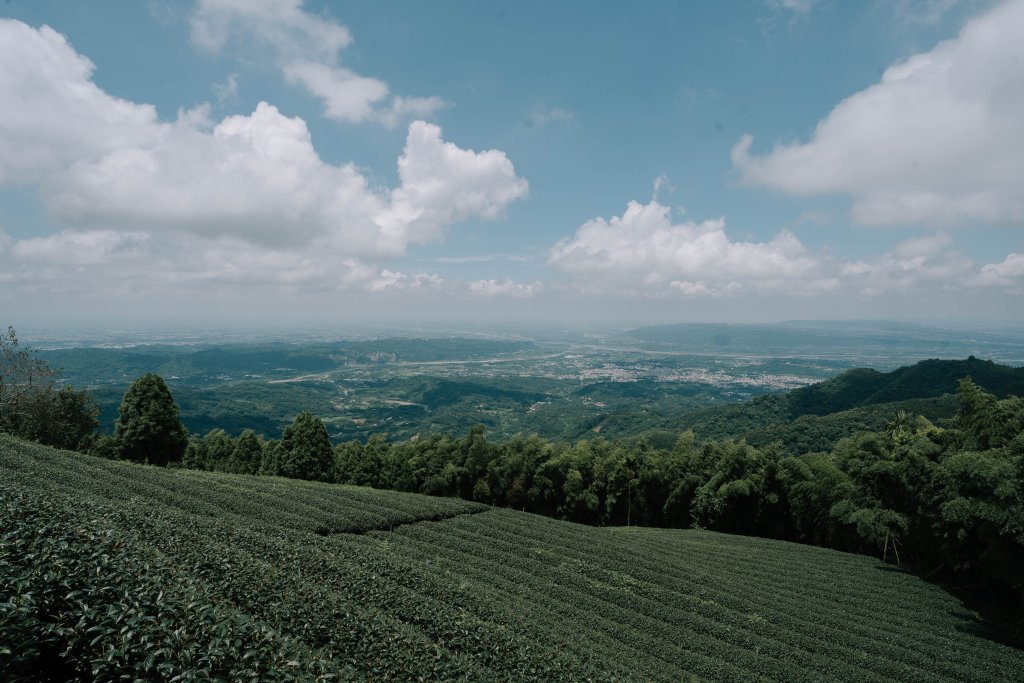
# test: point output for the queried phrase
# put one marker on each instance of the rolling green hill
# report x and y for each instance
(819, 433)
(927, 378)
(859, 399)
(111, 569)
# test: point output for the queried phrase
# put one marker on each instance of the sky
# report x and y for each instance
(246, 161)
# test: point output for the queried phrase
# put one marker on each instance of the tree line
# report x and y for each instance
(34, 406)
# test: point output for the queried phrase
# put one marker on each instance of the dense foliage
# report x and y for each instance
(31, 405)
(305, 451)
(116, 571)
(855, 395)
(148, 426)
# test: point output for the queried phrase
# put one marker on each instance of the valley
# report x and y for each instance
(562, 384)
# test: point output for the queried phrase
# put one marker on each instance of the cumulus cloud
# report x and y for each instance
(937, 140)
(80, 248)
(258, 178)
(51, 113)
(306, 47)
(1007, 273)
(280, 24)
(347, 96)
(140, 264)
(103, 260)
(644, 250)
(152, 205)
(917, 263)
(924, 246)
(442, 183)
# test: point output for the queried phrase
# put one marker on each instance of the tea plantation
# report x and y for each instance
(111, 570)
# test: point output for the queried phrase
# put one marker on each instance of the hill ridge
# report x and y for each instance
(919, 387)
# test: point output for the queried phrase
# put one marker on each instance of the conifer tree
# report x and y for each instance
(306, 451)
(148, 427)
(247, 455)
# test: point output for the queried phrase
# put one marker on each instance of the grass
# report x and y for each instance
(111, 569)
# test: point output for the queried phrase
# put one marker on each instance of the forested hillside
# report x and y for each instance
(113, 570)
(855, 400)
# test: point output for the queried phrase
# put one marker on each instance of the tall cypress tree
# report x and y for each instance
(149, 426)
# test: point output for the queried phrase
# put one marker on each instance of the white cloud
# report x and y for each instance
(51, 113)
(280, 24)
(922, 12)
(80, 248)
(305, 47)
(662, 182)
(259, 178)
(226, 90)
(938, 140)
(642, 250)
(403, 108)
(505, 287)
(100, 261)
(798, 7)
(916, 263)
(926, 246)
(246, 199)
(347, 96)
(442, 184)
(388, 280)
(643, 253)
(256, 177)
(694, 288)
(113, 165)
(542, 116)
(1007, 273)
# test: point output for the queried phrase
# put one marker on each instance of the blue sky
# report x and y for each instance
(618, 162)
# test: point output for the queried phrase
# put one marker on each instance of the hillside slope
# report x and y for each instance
(917, 388)
(212, 575)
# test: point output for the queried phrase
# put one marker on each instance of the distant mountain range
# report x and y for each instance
(887, 342)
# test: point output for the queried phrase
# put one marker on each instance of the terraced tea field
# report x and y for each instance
(110, 568)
